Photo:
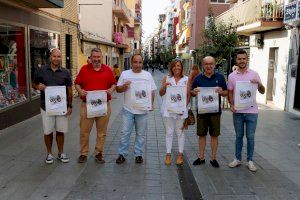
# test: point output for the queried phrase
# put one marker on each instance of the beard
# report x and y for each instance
(242, 65)
(97, 63)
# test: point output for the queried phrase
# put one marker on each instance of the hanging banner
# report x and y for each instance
(56, 100)
(208, 100)
(244, 96)
(96, 103)
(176, 99)
(141, 94)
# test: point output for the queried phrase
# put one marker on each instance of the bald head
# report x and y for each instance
(209, 59)
(209, 64)
(55, 57)
(55, 50)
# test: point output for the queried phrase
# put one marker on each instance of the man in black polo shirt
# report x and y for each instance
(54, 75)
(209, 121)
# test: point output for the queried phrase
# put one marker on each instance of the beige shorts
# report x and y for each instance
(54, 123)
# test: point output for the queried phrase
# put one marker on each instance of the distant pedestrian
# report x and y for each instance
(174, 122)
(94, 76)
(209, 122)
(132, 116)
(88, 61)
(116, 71)
(195, 71)
(246, 118)
(54, 75)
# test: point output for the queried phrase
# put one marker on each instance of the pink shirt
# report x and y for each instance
(246, 76)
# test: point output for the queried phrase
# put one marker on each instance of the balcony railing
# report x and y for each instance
(121, 10)
(251, 11)
(119, 38)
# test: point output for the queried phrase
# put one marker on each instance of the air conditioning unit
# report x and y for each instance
(256, 40)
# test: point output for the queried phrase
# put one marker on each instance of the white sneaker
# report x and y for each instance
(63, 158)
(251, 166)
(234, 163)
(299, 145)
(49, 159)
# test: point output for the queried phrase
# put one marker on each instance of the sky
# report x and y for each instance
(150, 11)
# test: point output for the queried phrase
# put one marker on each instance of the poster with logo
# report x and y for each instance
(96, 103)
(141, 94)
(176, 99)
(244, 96)
(208, 100)
(56, 100)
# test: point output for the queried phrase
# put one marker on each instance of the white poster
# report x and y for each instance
(96, 103)
(244, 96)
(56, 100)
(141, 94)
(176, 99)
(208, 100)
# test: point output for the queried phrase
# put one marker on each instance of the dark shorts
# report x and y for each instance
(208, 122)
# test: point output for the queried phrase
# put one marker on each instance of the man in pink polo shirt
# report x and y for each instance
(247, 116)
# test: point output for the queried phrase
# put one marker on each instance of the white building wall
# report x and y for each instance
(294, 48)
(259, 61)
(96, 19)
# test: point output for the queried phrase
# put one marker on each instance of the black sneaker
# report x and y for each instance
(120, 159)
(198, 161)
(214, 163)
(139, 159)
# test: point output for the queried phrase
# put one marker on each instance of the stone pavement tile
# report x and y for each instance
(171, 196)
(49, 193)
(86, 195)
(294, 176)
(18, 190)
(152, 189)
(152, 177)
(240, 187)
(152, 183)
(230, 197)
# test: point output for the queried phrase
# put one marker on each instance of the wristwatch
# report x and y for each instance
(70, 106)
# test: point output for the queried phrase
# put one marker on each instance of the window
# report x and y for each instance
(219, 1)
(13, 81)
(41, 42)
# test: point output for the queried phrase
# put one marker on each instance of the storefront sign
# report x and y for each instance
(291, 12)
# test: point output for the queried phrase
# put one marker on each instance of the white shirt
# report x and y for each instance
(129, 75)
(182, 82)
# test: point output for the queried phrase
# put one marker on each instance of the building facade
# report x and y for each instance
(95, 19)
(29, 30)
(272, 46)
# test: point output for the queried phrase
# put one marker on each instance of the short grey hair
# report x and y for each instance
(96, 49)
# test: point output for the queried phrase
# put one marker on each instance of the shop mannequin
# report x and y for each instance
(12, 49)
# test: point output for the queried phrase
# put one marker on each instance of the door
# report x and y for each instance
(297, 88)
(272, 74)
(68, 51)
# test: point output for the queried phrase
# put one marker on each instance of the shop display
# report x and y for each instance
(13, 83)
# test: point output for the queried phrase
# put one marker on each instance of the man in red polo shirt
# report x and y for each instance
(94, 76)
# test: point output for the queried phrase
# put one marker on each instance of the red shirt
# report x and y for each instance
(91, 80)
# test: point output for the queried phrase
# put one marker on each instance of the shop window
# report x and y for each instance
(41, 43)
(13, 82)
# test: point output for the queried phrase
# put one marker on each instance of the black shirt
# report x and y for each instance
(48, 77)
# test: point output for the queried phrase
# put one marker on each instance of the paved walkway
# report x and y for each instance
(24, 175)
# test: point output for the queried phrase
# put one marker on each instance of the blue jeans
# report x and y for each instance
(240, 120)
(140, 123)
